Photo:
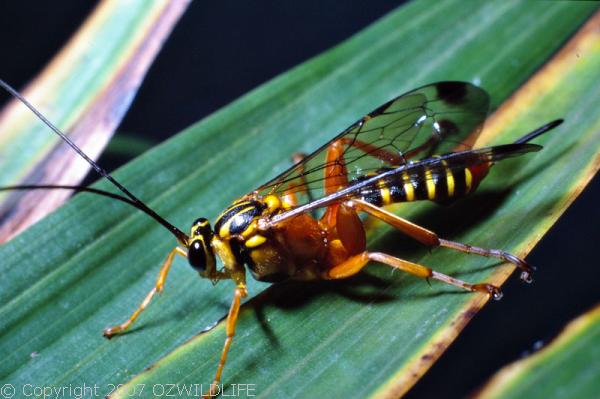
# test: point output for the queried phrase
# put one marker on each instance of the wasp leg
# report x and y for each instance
(428, 237)
(232, 316)
(355, 263)
(526, 268)
(160, 282)
(336, 178)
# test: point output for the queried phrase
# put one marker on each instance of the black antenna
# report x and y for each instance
(69, 187)
(180, 235)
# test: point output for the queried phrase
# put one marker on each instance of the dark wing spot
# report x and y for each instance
(452, 92)
(447, 128)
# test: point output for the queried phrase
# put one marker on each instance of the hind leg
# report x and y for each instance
(430, 238)
(356, 263)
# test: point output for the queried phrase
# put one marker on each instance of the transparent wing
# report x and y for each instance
(434, 119)
(414, 171)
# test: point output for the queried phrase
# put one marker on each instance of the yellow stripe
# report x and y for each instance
(450, 182)
(468, 179)
(386, 198)
(408, 187)
(429, 184)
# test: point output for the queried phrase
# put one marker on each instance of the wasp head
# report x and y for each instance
(200, 253)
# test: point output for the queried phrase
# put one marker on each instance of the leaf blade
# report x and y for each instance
(96, 270)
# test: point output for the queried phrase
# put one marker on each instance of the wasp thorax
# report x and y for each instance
(200, 253)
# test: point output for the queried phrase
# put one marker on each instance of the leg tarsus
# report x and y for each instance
(158, 287)
(426, 273)
(526, 269)
(490, 289)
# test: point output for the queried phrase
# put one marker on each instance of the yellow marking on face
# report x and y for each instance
(408, 187)
(196, 227)
(430, 184)
(202, 223)
(255, 241)
(468, 179)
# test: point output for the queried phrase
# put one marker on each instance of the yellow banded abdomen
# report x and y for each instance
(439, 183)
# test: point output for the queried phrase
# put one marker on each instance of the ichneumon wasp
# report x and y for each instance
(304, 224)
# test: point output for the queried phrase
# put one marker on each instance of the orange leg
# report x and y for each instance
(344, 228)
(355, 263)
(336, 174)
(160, 282)
(290, 198)
(336, 178)
(232, 316)
(428, 237)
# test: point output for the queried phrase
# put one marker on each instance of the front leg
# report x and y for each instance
(160, 282)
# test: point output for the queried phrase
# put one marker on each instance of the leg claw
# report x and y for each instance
(526, 277)
(109, 332)
(490, 289)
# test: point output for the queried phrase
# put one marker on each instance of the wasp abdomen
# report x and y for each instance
(439, 183)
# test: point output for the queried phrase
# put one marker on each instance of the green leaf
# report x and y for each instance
(567, 368)
(128, 145)
(89, 265)
(85, 91)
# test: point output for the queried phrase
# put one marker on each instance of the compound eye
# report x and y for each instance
(197, 256)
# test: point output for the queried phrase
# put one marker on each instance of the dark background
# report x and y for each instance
(206, 64)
